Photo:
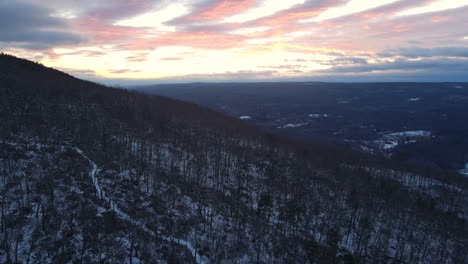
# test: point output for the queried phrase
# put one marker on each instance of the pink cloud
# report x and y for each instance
(216, 10)
(200, 40)
(103, 33)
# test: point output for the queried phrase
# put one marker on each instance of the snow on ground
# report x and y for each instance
(389, 145)
(293, 125)
(366, 149)
(339, 132)
(245, 117)
(465, 170)
(415, 133)
(390, 141)
(414, 99)
(459, 87)
(94, 172)
(318, 115)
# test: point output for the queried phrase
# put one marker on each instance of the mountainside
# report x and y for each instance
(91, 174)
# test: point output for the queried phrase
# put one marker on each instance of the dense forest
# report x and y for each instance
(92, 174)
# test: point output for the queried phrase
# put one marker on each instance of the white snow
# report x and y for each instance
(389, 145)
(465, 170)
(293, 125)
(339, 132)
(414, 99)
(94, 171)
(392, 140)
(318, 115)
(245, 117)
(415, 133)
(459, 87)
(366, 149)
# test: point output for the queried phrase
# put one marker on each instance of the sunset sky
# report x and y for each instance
(145, 41)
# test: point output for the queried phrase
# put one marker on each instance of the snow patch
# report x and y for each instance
(415, 133)
(393, 140)
(465, 170)
(339, 132)
(414, 99)
(293, 125)
(390, 145)
(318, 115)
(245, 117)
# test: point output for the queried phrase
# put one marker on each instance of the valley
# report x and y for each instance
(420, 123)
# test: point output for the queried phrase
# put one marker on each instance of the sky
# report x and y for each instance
(163, 41)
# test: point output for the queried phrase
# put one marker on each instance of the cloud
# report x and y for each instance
(84, 53)
(283, 67)
(139, 57)
(156, 18)
(307, 10)
(430, 66)
(197, 39)
(351, 7)
(435, 6)
(111, 11)
(215, 10)
(272, 39)
(80, 73)
(172, 58)
(265, 9)
(349, 60)
(33, 27)
(417, 52)
(122, 71)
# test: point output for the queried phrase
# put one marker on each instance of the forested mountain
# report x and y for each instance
(91, 174)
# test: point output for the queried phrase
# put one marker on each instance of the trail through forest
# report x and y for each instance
(102, 194)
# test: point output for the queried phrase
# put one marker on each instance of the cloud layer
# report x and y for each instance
(33, 27)
(242, 39)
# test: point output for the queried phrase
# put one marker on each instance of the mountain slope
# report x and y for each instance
(99, 175)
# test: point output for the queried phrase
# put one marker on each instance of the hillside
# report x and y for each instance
(92, 174)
